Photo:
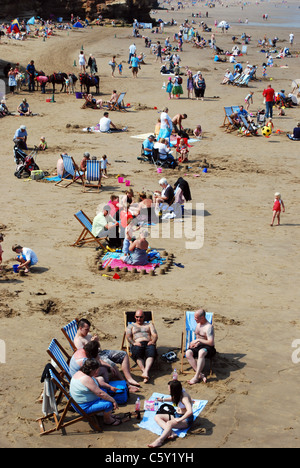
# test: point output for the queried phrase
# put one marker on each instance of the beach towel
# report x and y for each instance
(113, 259)
(151, 425)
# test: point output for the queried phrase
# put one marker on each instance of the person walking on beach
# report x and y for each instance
(82, 62)
(278, 203)
(269, 95)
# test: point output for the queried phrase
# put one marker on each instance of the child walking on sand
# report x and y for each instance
(169, 87)
(278, 203)
(249, 100)
(104, 163)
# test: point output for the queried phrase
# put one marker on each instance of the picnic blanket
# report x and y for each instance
(151, 425)
(113, 259)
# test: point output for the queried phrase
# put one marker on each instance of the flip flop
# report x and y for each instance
(179, 265)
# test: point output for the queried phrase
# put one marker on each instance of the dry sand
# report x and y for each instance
(246, 273)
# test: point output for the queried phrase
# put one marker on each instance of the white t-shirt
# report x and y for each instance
(103, 163)
(165, 120)
(104, 124)
(29, 254)
(132, 48)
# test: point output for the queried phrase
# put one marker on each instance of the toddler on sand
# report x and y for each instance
(278, 203)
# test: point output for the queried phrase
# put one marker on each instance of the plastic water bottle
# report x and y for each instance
(137, 405)
(175, 375)
(156, 405)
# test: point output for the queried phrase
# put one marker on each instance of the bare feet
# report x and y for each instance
(145, 377)
(156, 443)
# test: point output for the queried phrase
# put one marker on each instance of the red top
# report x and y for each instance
(277, 205)
(269, 94)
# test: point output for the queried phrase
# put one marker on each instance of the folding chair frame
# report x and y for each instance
(74, 177)
(86, 235)
(69, 335)
(60, 423)
(88, 179)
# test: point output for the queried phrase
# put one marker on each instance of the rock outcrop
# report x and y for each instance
(126, 10)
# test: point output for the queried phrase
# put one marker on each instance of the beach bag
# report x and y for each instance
(165, 408)
(122, 394)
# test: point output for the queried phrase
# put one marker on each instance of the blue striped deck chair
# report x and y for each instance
(244, 81)
(69, 332)
(66, 416)
(228, 122)
(86, 235)
(92, 176)
(61, 358)
(71, 172)
(188, 334)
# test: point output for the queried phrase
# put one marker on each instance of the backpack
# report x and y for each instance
(179, 80)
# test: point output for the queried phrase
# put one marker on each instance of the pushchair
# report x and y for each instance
(261, 117)
(25, 163)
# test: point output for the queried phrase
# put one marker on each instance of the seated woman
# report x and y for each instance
(296, 133)
(85, 390)
(91, 351)
(24, 108)
(91, 102)
(145, 210)
(181, 419)
(138, 250)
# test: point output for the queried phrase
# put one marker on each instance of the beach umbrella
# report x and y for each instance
(223, 24)
(31, 20)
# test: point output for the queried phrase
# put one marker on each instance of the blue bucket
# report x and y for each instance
(15, 268)
(204, 170)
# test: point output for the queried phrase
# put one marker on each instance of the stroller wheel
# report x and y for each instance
(18, 175)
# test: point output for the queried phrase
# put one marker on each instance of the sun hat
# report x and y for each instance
(23, 127)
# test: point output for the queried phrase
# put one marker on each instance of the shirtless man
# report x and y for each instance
(142, 338)
(177, 122)
(83, 336)
(200, 348)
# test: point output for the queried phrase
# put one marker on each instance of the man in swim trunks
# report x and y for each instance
(142, 338)
(200, 348)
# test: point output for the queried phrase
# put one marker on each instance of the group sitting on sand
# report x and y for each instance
(93, 368)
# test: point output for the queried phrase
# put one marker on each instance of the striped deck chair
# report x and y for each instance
(61, 358)
(66, 415)
(188, 334)
(228, 122)
(119, 104)
(86, 235)
(244, 81)
(69, 332)
(71, 172)
(92, 174)
(129, 319)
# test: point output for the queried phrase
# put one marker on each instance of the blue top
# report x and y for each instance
(135, 61)
(19, 133)
(148, 146)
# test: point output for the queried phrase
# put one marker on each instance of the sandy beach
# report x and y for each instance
(246, 272)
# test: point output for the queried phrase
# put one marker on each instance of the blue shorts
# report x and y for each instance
(189, 420)
(97, 406)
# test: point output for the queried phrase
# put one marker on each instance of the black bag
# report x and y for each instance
(179, 80)
(165, 408)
